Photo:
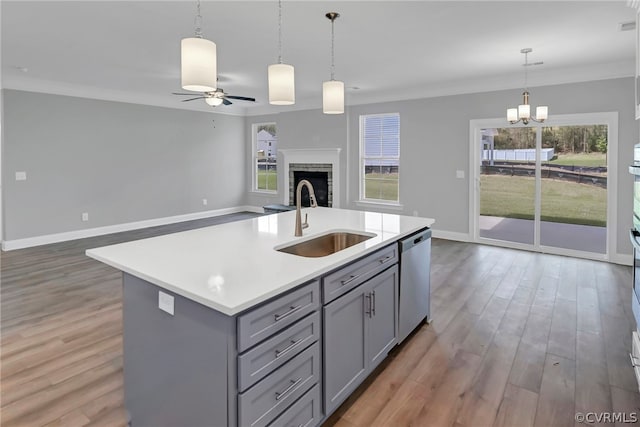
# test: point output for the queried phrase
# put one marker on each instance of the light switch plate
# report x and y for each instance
(21, 176)
(459, 174)
(165, 302)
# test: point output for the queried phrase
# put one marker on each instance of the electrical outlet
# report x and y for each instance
(21, 176)
(460, 174)
(204, 202)
(165, 302)
(415, 213)
(85, 216)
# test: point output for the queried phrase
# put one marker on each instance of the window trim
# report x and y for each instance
(362, 200)
(254, 157)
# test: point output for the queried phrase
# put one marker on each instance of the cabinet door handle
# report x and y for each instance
(350, 279)
(385, 259)
(634, 361)
(373, 303)
(292, 310)
(280, 394)
(368, 297)
(287, 348)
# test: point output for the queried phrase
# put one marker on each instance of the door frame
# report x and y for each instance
(607, 118)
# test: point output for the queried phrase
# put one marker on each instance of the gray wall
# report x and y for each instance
(119, 162)
(435, 143)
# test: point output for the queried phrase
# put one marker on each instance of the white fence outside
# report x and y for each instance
(522, 155)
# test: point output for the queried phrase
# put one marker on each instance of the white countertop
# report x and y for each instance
(234, 266)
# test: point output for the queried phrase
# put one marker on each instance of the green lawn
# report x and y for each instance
(562, 201)
(580, 159)
(381, 186)
(267, 180)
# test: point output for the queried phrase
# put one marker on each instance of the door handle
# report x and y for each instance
(368, 297)
(373, 303)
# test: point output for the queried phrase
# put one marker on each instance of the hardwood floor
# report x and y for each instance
(517, 339)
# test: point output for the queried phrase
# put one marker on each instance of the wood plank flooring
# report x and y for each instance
(517, 339)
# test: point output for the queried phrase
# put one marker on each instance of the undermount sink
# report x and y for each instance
(325, 244)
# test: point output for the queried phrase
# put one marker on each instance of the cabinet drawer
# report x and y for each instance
(266, 320)
(266, 400)
(347, 278)
(304, 413)
(264, 358)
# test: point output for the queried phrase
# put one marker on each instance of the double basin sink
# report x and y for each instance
(325, 244)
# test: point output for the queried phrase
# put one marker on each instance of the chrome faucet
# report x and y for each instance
(312, 198)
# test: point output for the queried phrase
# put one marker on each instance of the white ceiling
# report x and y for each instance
(391, 50)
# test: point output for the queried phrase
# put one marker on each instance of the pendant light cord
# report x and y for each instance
(526, 66)
(198, 22)
(280, 31)
(333, 68)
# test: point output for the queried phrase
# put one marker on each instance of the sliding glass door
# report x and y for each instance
(507, 184)
(544, 186)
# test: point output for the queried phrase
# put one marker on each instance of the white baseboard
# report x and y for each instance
(28, 242)
(451, 235)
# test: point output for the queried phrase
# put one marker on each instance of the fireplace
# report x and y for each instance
(325, 160)
(321, 177)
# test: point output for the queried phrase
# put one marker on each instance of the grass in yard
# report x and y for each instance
(580, 159)
(562, 201)
(267, 180)
(381, 186)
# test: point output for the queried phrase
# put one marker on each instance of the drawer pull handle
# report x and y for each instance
(634, 361)
(288, 348)
(292, 310)
(385, 259)
(350, 279)
(280, 395)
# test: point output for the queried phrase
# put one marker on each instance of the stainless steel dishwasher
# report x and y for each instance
(415, 282)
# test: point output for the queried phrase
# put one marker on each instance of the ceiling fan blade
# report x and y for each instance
(178, 93)
(241, 98)
(225, 101)
(193, 99)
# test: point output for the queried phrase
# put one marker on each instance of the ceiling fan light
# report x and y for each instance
(214, 101)
(282, 87)
(199, 64)
(333, 97)
(512, 114)
(524, 111)
(542, 113)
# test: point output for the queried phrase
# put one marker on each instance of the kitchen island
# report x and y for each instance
(223, 329)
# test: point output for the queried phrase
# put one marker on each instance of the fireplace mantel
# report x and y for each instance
(312, 155)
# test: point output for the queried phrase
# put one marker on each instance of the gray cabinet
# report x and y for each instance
(360, 328)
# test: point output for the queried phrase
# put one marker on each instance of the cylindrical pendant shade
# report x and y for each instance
(333, 97)
(542, 112)
(199, 65)
(524, 111)
(282, 87)
(512, 114)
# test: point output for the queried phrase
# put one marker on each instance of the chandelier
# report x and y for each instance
(523, 112)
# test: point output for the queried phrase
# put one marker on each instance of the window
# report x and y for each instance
(380, 157)
(265, 168)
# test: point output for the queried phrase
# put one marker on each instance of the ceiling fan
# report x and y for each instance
(216, 97)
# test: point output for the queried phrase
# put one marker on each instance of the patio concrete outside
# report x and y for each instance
(584, 238)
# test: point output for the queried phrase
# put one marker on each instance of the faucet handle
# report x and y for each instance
(305, 224)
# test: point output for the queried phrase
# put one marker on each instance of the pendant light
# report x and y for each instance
(332, 90)
(523, 112)
(198, 61)
(282, 87)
